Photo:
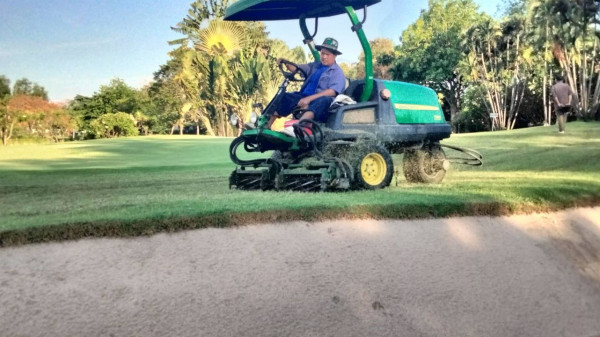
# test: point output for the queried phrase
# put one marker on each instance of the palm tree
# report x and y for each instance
(480, 42)
(572, 26)
(541, 23)
(500, 60)
(218, 44)
(187, 80)
(226, 66)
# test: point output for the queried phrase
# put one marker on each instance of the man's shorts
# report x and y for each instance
(564, 109)
(320, 106)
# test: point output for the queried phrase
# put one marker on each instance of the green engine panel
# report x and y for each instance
(414, 104)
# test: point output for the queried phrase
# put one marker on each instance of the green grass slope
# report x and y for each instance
(143, 185)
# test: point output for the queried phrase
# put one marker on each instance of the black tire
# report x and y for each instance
(373, 167)
(276, 155)
(425, 165)
(283, 157)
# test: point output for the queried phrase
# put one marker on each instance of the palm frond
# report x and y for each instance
(221, 38)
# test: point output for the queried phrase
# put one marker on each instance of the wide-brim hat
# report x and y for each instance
(330, 44)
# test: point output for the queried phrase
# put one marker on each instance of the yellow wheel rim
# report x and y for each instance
(373, 169)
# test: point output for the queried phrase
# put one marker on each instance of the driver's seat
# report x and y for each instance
(355, 89)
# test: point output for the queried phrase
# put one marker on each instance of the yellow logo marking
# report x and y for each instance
(416, 107)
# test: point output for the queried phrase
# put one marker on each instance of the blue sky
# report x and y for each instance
(73, 47)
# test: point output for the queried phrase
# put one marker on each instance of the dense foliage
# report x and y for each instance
(431, 51)
(490, 73)
(114, 125)
(26, 113)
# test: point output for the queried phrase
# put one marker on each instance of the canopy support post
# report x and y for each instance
(357, 27)
(308, 38)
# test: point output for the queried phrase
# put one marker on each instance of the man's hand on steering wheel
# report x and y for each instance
(294, 73)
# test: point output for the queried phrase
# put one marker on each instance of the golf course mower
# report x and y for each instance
(352, 150)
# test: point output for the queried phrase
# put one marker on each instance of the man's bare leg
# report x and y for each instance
(308, 115)
(272, 120)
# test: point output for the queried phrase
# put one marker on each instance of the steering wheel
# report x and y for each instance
(297, 75)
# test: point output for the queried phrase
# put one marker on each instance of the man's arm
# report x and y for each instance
(304, 67)
(305, 101)
(337, 80)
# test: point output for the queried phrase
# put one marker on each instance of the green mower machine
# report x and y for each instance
(352, 149)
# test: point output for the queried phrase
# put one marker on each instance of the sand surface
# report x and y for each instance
(526, 275)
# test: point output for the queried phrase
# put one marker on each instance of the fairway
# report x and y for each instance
(143, 185)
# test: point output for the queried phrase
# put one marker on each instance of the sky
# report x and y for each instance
(74, 47)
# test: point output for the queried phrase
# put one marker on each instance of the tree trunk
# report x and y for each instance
(451, 90)
(7, 133)
(547, 113)
(518, 106)
(597, 91)
(207, 124)
(595, 101)
(545, 97)
(453, 114)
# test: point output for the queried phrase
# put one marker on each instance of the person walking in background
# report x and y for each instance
(562, 96)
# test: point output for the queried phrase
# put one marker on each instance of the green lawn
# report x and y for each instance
(162, 183)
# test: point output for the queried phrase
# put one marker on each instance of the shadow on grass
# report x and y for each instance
(121, 154)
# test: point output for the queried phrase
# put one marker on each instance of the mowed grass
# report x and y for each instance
(143, 185)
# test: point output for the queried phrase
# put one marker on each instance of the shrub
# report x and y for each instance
(474, 116)
(114, 125)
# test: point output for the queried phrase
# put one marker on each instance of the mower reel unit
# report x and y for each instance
(353, 148)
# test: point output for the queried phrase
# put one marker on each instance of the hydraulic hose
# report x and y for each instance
(249, 148)
(234, 158)
(473, 158)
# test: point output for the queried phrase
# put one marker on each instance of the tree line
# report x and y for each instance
(25, 112)
(503, 67)
(489, 73)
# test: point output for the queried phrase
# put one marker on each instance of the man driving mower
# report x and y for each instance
(324, 81)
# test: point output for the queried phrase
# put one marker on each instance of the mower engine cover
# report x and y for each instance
(414, 104)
